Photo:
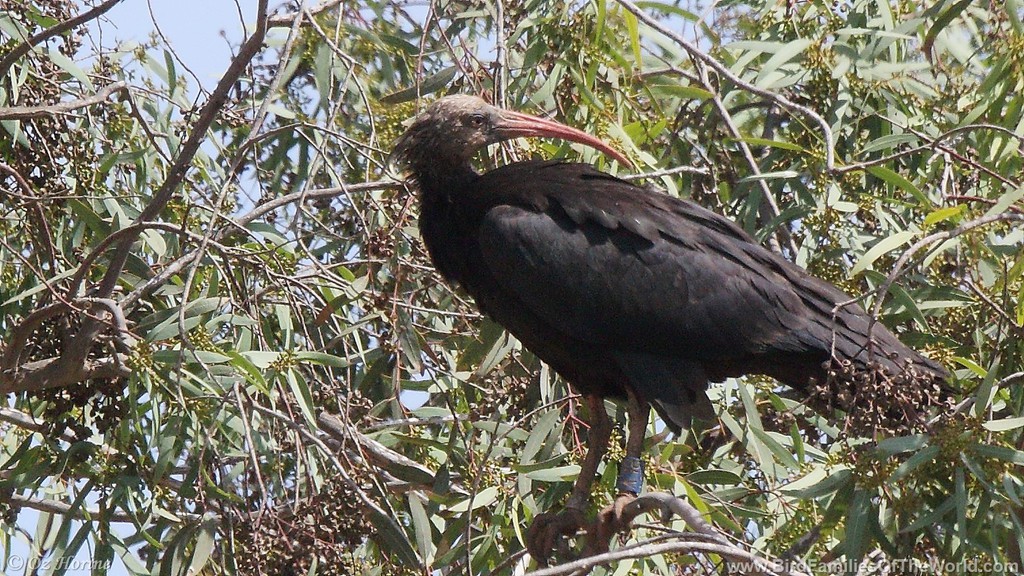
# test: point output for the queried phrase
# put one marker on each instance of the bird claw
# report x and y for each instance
(549, 531)
(615, 518)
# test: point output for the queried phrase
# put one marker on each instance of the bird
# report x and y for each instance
(629, 294)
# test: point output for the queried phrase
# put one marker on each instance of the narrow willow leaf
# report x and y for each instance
(884, 246)
(899, 181)
(429, 85)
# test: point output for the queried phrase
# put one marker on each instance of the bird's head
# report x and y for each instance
(454, 128)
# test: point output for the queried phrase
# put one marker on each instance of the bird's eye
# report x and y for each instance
(476, 120)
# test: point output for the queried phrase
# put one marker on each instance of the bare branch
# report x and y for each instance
(59, 372)
(684, 543)
(26, 112)
(77, 512)
(31, 423)
(667, 172)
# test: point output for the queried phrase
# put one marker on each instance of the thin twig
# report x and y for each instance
(724, 71)
(901, 263)
(666, 172)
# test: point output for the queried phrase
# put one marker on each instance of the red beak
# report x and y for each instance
(517, 124)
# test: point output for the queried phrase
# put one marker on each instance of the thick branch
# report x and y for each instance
(65, 509)
(182, 162)
(72, 366)
(60, 372)
(26, 112)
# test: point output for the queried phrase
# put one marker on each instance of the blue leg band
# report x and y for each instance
(631, 476)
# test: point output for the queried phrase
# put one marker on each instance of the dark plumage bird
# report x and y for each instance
(625, 292)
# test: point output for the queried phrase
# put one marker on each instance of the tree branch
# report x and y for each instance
(59, 372)
(685, 543)
(27, 112)
(33, 41)
(77, 512)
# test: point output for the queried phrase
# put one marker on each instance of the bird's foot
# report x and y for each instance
(615, 518)
(549, 532)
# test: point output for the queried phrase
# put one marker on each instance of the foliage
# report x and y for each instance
(225, 348)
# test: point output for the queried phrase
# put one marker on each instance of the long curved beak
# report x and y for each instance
(517, 124)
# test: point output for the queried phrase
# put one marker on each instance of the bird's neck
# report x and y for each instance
(442, 222)
(440, 182)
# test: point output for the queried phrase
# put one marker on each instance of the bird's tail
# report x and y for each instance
(881, 384)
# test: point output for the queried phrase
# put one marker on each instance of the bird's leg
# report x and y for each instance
(547, 530)
(630, 482)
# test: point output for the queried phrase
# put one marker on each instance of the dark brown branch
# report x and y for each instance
(41, 230)
(26, 112)
(59, 372)
(989, 201)
(33, 41)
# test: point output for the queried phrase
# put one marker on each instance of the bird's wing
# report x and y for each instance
(612, 264)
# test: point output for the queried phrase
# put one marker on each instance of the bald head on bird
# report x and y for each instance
(452, 129)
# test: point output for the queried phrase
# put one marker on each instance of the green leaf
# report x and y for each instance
(783, 55)
(391, 538)
(429, 85)
(834, 481)
(633, 26)
(680, 91)
(942, 21)
(322, 359)
(900, 444)
(69, 66)
(999, 452)
(172, 75)
(557, 474)
(485, 497)
(899, 181)
(421, 528)
(770, 143)
(204, 545)
(302, 396)
(884, 246)
(713, 476)
(857, 525)
(925, 455)
(1004, 424)
(943, 214)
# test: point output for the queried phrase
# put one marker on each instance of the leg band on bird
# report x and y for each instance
(631, 476)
